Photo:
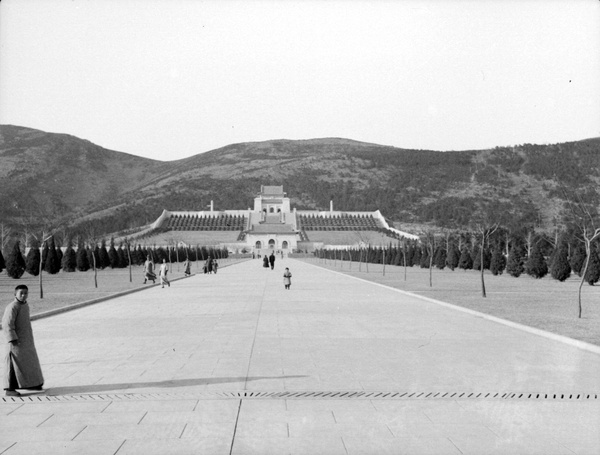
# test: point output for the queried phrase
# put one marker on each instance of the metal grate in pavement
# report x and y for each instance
(248, 395)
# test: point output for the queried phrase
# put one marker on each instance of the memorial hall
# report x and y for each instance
(274, 225)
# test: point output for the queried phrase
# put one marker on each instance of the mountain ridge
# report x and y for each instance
(58, 179)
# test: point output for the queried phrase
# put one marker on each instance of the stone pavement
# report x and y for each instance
(235, 364)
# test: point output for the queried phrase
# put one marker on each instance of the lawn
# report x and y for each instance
(541, 303)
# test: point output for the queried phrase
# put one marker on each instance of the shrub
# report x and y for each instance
(514, 264)
(560, 269)
(577, 259)
(52, 263)
(15, 264)
(32, 262)
(69, 260)
(83, 264)
(536, 264)
(592, 274)
(2, 263)
(465, 261)
(498, 262)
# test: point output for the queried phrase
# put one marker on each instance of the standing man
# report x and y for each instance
(164, 269)
(21, 364)
(272, 260)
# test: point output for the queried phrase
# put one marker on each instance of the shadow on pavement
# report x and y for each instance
(173, 383)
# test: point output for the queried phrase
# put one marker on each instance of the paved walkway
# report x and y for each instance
(234, 363)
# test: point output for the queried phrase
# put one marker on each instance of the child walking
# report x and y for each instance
(287, 278)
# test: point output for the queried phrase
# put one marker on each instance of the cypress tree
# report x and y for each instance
(577, 259)
(83, 264)
(498, 261)
(15, 264)
(69, 260)
(424, 261)
(113, 257)
(32, 262)
(52, 264)
(465, 261)
(59, 254)
(592, 274)
(440, 258)
(476, 257)
(416, 257)
(453, 257)
(2, 263)
(536, 264)
(103, 258)
(410, 253)
(514, 265)
(123, 259)
(560, 268)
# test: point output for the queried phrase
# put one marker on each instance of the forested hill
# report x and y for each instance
(58, 178)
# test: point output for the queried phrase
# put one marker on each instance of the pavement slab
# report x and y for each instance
(232, 363)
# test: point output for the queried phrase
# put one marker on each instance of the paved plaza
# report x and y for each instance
(233, 363)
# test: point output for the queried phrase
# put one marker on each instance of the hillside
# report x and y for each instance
(71, 180)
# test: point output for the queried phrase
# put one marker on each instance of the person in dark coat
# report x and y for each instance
(22, 368)
(272, 260)
(266, 262)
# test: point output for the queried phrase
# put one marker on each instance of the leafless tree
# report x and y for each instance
(583, 215)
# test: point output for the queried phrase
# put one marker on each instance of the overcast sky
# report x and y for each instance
(168, 79)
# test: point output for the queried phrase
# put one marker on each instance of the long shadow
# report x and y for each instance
(173, 383)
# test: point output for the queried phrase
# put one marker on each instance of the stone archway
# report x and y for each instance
(284, 245)
(258, 245)
(271, 244)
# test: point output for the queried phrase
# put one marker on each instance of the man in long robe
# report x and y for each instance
(21, 364)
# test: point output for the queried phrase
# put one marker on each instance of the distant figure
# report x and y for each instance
(186, 267)
(215, 266)
(266, 262)
(22, 368)
(287, 278)
(208, 266)
(272, 260)
(282, 254)
(164, 268)
(149, 271)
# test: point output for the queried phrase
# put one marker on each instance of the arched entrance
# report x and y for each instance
(258, 245)
(272, 244)
(284, 245)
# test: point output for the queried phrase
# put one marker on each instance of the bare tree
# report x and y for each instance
(485, 231)
(583, 215)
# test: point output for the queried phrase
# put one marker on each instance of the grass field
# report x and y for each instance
(544, 304)
(541, 303)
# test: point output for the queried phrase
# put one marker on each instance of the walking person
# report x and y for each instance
(272, 260)
(22, 368)
(287, 278)
(266, 262)
(164, 269)
(215, 266)
(149, 271)
(186, 267)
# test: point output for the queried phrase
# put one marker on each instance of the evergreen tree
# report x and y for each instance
(424, 262)
(32, 262)
(2, 263)
(410, 253)
(83, 264)
(59, 255)
(52, 264)
(440, 258)
(452, 257)
(123, 259)
(69, 260)
(514, 264)
(536, 264)
(498, 261)
(103, 258)
(113, 256)
(476, 257)
(577, 259)
(465, 261)
(560, 268)
(592, 274)
(416, 257)
(15, 264)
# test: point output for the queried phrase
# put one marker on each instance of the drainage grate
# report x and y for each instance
(220, 395)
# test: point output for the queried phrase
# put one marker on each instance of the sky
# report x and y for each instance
(168, 79)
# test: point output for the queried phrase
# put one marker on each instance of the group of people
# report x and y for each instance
(269, 261)
(149, 274)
